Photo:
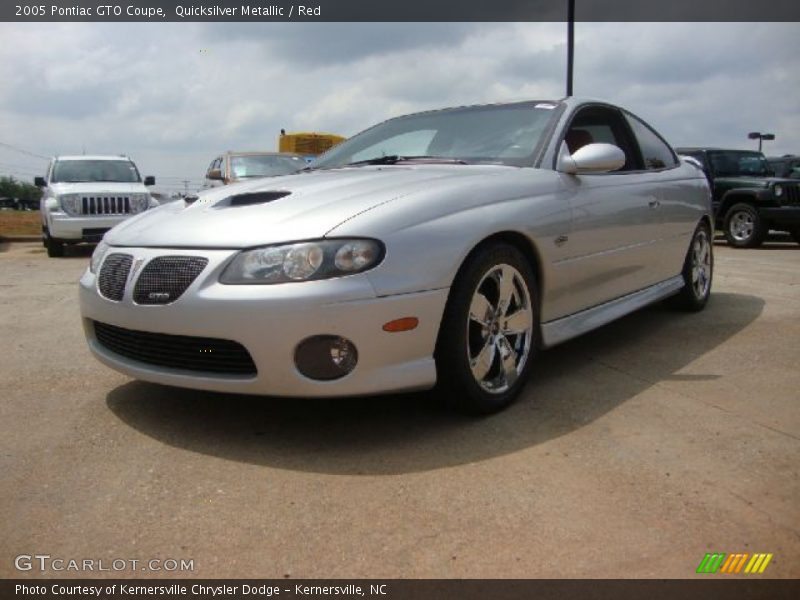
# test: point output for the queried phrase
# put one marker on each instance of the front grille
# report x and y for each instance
(791, 195)
(106, 205)
(113, 275)
(209, 355)
(165, 278)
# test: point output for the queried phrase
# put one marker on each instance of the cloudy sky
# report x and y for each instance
(173, 95)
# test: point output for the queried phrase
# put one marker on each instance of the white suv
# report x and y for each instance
(85, 196)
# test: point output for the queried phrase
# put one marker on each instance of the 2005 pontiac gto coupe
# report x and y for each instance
(440, 247)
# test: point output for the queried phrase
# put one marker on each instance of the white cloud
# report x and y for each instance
(173, 95)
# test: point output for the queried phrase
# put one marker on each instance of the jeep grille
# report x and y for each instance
(105, 205)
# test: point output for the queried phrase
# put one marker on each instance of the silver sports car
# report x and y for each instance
(440, 248)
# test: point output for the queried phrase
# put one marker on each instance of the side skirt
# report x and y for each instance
(572, 326)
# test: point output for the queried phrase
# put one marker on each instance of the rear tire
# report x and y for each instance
(698, 272)
(744, 228)
(489, 331)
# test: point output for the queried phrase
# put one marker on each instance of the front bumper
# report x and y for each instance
(269, 321)
(784, 216)
(81, 229)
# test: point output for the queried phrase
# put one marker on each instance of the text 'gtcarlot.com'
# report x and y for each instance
(45, 562)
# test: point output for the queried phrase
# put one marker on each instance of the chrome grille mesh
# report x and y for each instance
(165, 278)
(113, 274)
(105, 205)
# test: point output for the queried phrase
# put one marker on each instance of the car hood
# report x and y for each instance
(97, 187)
(312, 204)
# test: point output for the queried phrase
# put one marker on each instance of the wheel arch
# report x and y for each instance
(521, 242)
(733, 197)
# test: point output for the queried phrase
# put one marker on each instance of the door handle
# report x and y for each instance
(654, 204)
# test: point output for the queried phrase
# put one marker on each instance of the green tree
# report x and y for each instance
(12, 188)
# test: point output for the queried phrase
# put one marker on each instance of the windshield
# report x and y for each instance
(502, 134)
(264, 165)
(733, 163)
(72, 171)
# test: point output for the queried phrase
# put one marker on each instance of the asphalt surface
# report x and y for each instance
(634, 451)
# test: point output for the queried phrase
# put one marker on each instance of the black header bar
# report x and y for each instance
(399, 11)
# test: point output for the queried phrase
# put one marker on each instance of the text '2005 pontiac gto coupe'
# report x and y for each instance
(440, 248)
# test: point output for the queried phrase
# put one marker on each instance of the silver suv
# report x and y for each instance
(85, 196)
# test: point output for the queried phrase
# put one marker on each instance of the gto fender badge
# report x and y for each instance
(560, 240)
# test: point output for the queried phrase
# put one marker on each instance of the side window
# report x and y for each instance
(214, 164)
(655, 152)
(600, 124)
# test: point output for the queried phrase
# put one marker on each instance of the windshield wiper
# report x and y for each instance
(392, 159)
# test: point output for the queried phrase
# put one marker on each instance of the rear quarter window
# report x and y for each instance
(656, 154)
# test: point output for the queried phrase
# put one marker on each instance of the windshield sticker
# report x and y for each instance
(546, 106)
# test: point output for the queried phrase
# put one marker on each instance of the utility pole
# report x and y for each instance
(570, 43)
(186, 187)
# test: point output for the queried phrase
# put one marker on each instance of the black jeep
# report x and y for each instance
(748, 200)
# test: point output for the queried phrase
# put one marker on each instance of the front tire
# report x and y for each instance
(698, 271)
(744, 228)
(55, 248)
(489, 331)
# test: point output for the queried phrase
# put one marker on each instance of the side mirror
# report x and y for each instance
(214, 174)
(591, 158)
(149, 180)
(39, 182)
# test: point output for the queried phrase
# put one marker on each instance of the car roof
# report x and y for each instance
(258, 153)
(706, 148)
(92, 157)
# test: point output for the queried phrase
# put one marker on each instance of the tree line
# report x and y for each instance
(20, 190)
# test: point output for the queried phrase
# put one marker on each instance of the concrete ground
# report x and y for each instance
(634, 451)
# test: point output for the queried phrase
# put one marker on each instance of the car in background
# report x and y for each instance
(445, 247)
(85, 196)
(786, 166)
(232, 167)
(748, 200)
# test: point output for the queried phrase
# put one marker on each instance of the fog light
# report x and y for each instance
(325, 357)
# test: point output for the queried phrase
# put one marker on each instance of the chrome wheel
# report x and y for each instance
(741, 225)
(499, 329)
(701, 265)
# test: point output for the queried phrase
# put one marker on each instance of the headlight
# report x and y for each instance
(778, 190)
(71, 204)
(303, 261)
(97, 256)
(139, 202)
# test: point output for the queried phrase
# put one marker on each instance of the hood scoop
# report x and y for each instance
(250, 199)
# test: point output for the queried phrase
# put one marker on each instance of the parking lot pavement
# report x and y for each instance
(634, 451)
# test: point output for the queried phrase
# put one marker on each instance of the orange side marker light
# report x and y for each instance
(402, 324)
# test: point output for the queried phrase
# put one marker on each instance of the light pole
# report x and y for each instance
(570, 43)
(757, 135)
